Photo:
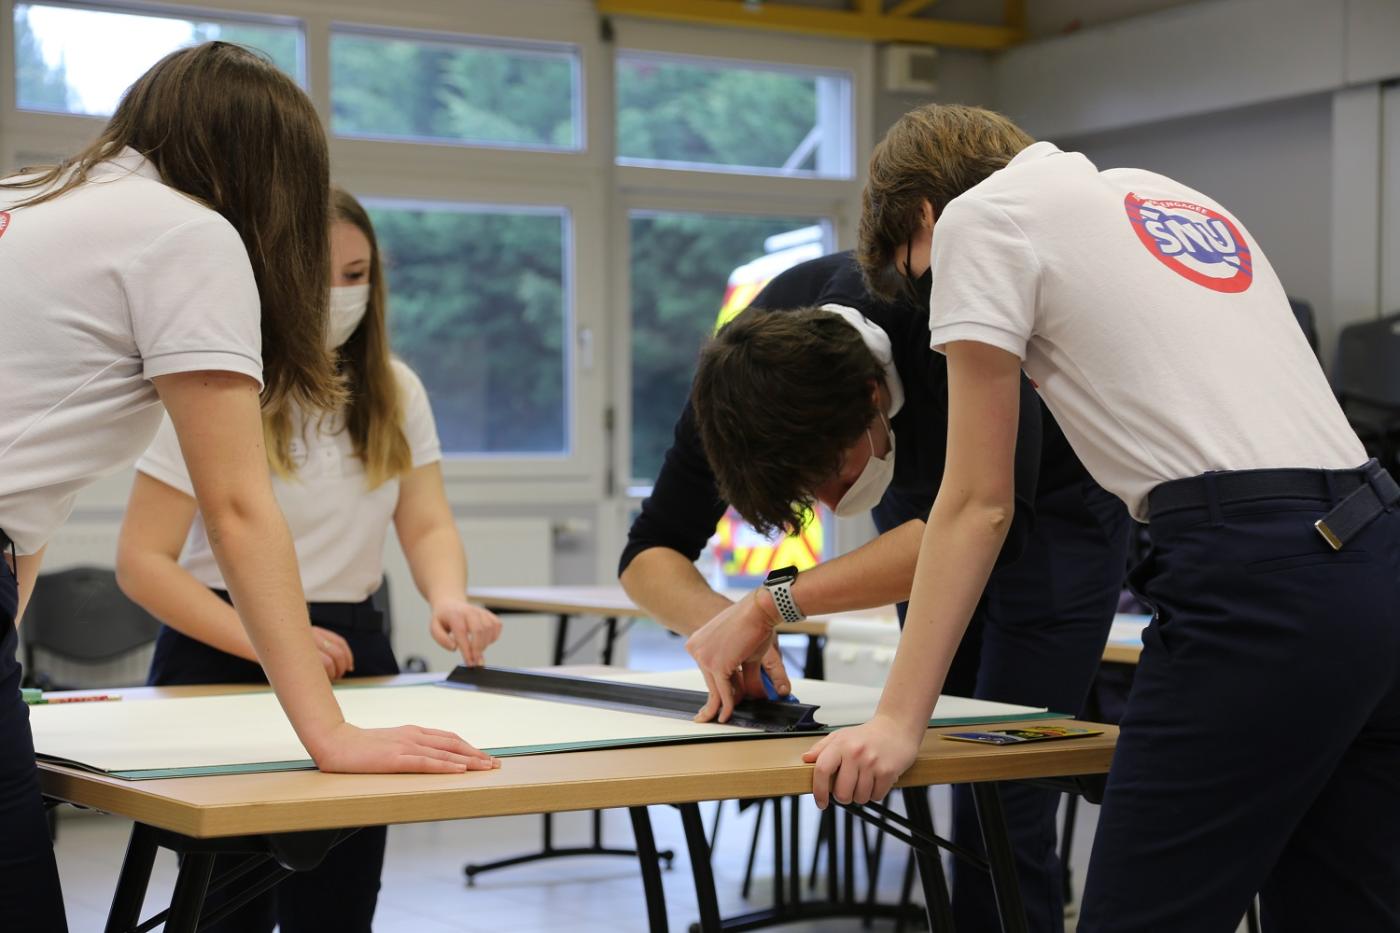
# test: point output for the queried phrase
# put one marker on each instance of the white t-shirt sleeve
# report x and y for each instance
(194, 302)
(419, 426)
(164, 460)
(985, 279)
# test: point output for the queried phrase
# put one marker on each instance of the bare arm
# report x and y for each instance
(157, 521)
(217, 419)
(974, 508)
(671, 590)
(876, 574)
(428, 535)
(26, 573)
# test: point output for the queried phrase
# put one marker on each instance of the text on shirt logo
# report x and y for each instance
(1199, 244)
(4, 222)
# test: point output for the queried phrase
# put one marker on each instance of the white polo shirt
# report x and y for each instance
(116, 282)
(338, 525)
(1150, 320)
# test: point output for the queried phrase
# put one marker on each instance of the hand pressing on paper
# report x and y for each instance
(731, 650)
(457, 625)
(861, 764)
(349, 749)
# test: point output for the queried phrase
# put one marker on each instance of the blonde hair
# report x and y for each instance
(374, 413)
(933, 153)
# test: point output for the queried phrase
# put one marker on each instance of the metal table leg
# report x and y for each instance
(1001, 861)
(705, 897)
(651, 871)
(188, 899)
(935, 886)
(135, 878)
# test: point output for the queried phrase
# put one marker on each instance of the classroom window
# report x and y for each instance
(688, 268)
(71, 59)
(478, 307)
(719, 115)
(470, 93)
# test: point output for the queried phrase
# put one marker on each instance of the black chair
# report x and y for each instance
(1366, 377)
(80, 631)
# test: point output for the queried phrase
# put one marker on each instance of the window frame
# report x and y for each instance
(579, 111)
(654, 188)
(845, 158)
(598, 194)
(9, 86)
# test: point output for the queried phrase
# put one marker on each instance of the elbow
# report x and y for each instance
(996, 517)
(230, 519)
(627, 578)
(130, 572)
(985, 516)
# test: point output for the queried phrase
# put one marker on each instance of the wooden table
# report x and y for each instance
(293, 817)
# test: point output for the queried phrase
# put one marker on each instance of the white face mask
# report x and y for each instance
(348, 304)
(869, 488)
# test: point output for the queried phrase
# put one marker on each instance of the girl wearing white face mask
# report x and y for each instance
(340, 478)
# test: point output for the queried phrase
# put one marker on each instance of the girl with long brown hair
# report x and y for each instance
(340, 478)
(180, 259)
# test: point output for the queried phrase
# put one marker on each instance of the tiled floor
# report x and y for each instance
(423, 886)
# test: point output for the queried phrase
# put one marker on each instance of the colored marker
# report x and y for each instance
(93, 698)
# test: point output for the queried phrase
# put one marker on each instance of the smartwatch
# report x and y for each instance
(779, 585)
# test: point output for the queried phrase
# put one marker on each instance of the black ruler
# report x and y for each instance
(767, 715)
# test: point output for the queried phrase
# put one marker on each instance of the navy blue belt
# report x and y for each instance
(1360, 494)
(353, 617)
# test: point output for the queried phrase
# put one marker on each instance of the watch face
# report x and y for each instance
(781, 575)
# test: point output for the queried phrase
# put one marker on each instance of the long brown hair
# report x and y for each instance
(224, 126)
(374, 416)
(933, 153)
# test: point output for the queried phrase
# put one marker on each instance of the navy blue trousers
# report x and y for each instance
(341, 893)
(30, 897)
(1036, 639)
(1260, 749)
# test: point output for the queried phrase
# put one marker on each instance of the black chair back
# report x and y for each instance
(1366, 377)
(1367, 370)
(80, 617)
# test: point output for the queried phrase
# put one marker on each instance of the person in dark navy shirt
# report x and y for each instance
(1042, 624)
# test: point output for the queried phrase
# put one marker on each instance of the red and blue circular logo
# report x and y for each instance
(1195, 242)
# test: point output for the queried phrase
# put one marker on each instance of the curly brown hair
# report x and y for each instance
(933, 153)
(778, 396)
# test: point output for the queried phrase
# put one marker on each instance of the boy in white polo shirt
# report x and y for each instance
(1260, 751)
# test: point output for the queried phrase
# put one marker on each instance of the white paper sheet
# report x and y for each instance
(250, 728)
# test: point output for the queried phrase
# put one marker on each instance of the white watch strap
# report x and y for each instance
(782, 598)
